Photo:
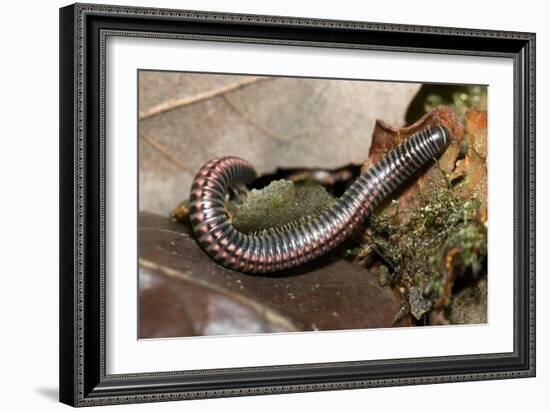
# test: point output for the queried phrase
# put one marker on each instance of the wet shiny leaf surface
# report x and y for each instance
(183, 292)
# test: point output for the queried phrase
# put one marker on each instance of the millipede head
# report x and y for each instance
(441, 136)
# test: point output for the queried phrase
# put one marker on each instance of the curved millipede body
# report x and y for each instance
(294, 244)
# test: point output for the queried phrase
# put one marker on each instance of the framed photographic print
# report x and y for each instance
(261, 204)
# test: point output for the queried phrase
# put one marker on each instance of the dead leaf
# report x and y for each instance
(386, 138)
(473, 168)
(280, 122)
(184, 292)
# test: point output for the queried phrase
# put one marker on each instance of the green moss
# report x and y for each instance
(471, 239)
(180, 214)
(280, 203)
(384, 276)
(460, 98)
(415, 248)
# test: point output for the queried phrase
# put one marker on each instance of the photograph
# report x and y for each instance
(259, 204)
(278, 204)
(275, 205)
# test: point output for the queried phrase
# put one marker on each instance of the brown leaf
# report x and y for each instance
(387, 137)
(473, 168)
(184, 292)
(274, 123)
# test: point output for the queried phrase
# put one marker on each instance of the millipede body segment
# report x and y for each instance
(296, 243)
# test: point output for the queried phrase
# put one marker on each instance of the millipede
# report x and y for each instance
(293, 244)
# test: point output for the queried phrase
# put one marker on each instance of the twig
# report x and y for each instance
(185, 101)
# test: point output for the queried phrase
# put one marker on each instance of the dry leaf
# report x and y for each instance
(386, 138)
(186, 119)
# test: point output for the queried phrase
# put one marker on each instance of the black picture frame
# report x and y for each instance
(83, 29)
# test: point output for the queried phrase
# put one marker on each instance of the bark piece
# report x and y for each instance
(469, 305)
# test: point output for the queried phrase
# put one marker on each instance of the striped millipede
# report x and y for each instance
(296, 243)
